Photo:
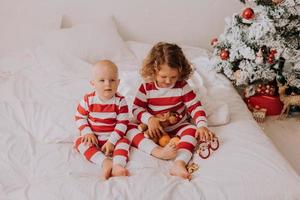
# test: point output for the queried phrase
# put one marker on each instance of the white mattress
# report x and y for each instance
(39, 93)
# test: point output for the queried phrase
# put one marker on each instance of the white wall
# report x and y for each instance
(190, 22)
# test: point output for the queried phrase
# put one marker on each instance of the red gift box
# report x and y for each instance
(272, 104)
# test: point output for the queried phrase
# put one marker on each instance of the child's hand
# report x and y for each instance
(89, 139)
(108, 148)
(154, 128)
(203, 134)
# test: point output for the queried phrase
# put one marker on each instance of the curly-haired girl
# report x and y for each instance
(166, 71)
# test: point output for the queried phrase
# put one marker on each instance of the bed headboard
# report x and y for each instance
(190, 22)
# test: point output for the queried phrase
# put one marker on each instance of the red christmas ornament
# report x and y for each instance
(273, 51)
(248, 13)
(262, 89)
(224, 55)
(214, 42)
(270, 60)
(271, 56)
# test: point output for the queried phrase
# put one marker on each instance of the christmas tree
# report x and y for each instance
(261, 44)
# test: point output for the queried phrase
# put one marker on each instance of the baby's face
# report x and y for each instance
(105, 81)
(166, 76)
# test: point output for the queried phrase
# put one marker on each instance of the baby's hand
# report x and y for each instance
(203, 134)
(108, 148)
(89, 139)
(154, 128)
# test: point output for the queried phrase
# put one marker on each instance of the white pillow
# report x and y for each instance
(90, 42)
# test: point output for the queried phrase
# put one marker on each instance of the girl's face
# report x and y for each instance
(166, 76)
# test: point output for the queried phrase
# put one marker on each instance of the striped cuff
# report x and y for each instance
(184, 155)
(202, 124)
(86, 131)
(121, 160)
(98, 158)
(114, 138)
(145, 117)
(147, 146)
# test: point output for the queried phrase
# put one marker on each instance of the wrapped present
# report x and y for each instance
(259, 114)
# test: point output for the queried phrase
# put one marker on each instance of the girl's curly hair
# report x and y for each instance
(169, 54)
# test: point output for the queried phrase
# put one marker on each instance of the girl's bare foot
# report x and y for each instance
(165, 153)
(118, 170)
(179, 169)
(106, 168)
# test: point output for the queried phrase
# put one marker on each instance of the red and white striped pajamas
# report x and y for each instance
(108, 120)
(151, 100)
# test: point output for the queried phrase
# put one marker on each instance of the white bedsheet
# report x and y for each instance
(39, 94)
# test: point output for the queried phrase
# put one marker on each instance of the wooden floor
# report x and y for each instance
(285, 134)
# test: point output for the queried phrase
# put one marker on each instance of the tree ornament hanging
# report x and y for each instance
(273, 51)
(224, 55)
(248, 13)
(270, 60)
(271, 56)
(214, 42)
(252, 47)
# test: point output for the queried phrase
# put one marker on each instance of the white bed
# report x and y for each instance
(40, 88)
(39, 93)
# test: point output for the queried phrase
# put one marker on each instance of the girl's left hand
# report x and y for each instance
(203, 134)
(155, 130)
(108, 148)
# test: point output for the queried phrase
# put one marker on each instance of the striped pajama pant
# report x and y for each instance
(94, 154)
(185, 131)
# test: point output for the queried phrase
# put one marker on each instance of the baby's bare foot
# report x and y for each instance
(106, 168)
(118, 170)
(179, 169)
(165, 153)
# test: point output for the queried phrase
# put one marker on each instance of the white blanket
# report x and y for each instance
(39, 94)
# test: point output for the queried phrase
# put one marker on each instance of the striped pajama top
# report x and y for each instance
(107, 119)
(151, 100)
